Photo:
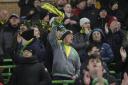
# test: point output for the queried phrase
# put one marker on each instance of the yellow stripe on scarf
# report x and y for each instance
(67, 50)
(53, 9)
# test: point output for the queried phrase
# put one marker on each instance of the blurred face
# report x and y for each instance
(67, 8)
(62, 2)
(90, 2)
(37, 3)
(115, 6)
(103, 13)
(115, 25)
(46, 18)
(68, 39)
(87, 25)
(27, 53)
(87, 78)
(81, 5)
(95, 51)
(94, 66)
(23, 28)
(36, 32)
(14, 21)
(96, 36)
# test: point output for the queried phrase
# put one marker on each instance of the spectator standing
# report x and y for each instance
(66, 62)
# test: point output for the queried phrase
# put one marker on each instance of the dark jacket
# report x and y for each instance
(30, 72)
(74, 27)
(80, 43)
(9, 36)
(115, 40)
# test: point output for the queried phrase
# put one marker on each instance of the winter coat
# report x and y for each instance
(115, 40)
(29, 72)
(63, 66)
(105, 49)
(9, 37)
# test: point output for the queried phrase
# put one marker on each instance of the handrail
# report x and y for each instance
(64, 82)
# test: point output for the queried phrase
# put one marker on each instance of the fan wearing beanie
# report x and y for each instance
(63, 67)
(85, 25)
(80, 41)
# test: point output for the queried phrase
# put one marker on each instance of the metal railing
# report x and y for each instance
(7, 72)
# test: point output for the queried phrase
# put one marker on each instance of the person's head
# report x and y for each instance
(68, 8)
(28, 52)
(96, 35)
(67, 37)
(94, 63)
(113, 24)
(85, 23)
(23, 28)
(61, 2)
(90, 2)
(93, 50)
(81, 4)
(37, 3)
(103, 13)
(36, 31)
(14, 20)
(113, 5)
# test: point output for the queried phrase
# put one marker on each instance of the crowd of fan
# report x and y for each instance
(92, 36)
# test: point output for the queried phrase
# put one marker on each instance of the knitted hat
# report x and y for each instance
(65, 33)
(27, 35)
(111, 19)
(13, 15)
(94, 30)
(84, 20)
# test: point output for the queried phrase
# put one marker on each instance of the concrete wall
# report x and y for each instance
(10, 5)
